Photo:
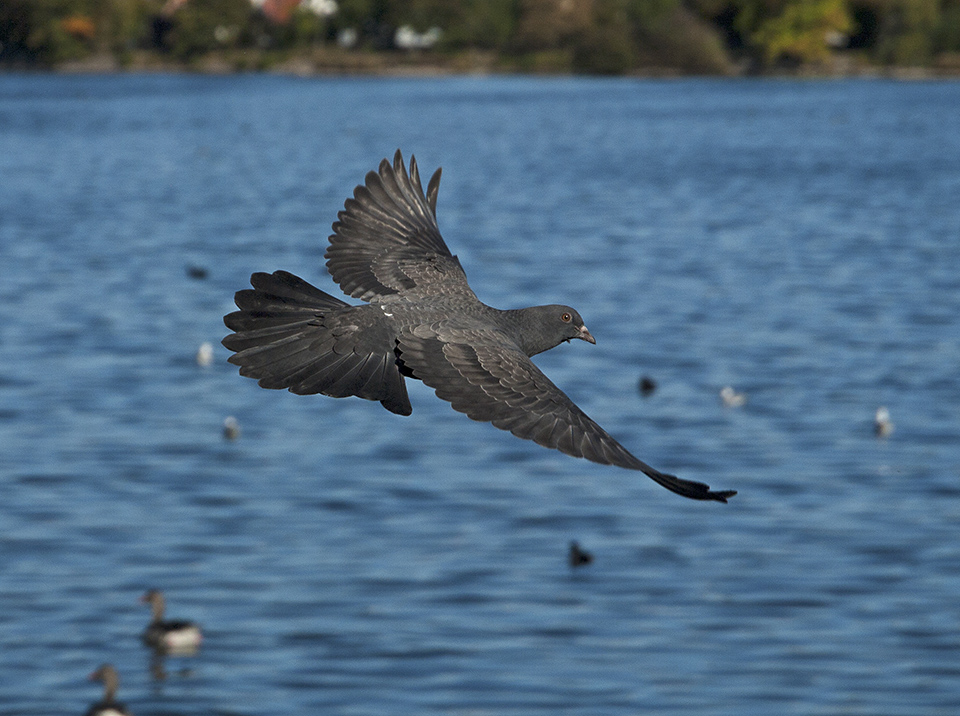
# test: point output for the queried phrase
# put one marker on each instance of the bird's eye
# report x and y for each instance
(565, 317)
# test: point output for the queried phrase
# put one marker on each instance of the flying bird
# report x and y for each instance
(420, 320)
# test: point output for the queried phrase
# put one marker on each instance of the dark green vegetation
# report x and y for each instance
(593, 36)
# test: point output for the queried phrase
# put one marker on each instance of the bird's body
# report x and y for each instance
(421, 320)
(882, 423)
(731, 398)
(577, 556)
(108, 705)
(169, 636)
(204, 355)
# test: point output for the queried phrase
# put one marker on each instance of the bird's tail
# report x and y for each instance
(290, 334)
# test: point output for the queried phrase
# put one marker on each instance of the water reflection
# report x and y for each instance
(158, 665)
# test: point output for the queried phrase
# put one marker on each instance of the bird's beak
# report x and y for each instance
(585, 335)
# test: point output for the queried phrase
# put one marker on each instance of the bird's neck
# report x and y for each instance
(110, 684)
(525, 324)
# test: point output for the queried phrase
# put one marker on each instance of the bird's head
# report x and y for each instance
(545, 327)
(571, 325)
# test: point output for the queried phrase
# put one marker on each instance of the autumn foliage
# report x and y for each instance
(597, 36)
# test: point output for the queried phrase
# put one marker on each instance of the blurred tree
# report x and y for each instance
(606, 43)
(308, 27)
(50, 31)
(14, 30)
(906, 31)
(200, 26)
(865, 17)
(670, 34)
(608, 36)
(46, 31)
(354, 13)
(616, 36)
(805, 32)
(947, 35)
(419, 14)
(481, 24)
(122, 24)
(796, 30)
(550, 24)
(79, 26)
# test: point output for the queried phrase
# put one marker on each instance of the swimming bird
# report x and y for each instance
(205, 354)
(421, 320)
(882, 423)
(577, 556)
(108, 705)
(646, 386)
(231, 428)
(731, 398)
(176, 637)
(197, 272)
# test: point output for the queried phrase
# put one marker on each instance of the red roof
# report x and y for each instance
(279, 11)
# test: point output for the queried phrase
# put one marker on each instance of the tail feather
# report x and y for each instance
(318, 375)
(293, 290)
(289, 334)
(250, 320)
(286, 354)
(347, 382)
(376, 373)
(368, 374)
(256, 336)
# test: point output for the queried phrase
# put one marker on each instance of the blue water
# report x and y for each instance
(797, 240)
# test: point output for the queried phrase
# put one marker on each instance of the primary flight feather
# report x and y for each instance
(420, 320)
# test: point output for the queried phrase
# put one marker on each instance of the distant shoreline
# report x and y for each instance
(329, 62)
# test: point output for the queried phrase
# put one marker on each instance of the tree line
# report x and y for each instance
(593, 36)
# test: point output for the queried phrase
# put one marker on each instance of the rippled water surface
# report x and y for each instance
(797, 240)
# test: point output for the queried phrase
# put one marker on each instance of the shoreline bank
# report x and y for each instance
(333, 62)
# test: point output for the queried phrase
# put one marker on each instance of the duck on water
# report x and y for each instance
(177, 637)
(108, 705)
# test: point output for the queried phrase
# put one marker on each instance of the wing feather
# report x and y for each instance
(485, 376)
(386, 240)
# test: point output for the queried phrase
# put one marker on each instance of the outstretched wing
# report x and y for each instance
(386, 240)
(484, 376)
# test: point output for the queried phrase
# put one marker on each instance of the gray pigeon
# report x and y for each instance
(420, 320)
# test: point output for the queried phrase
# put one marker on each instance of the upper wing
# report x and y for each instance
(486, 377)
(386, 240)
